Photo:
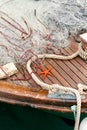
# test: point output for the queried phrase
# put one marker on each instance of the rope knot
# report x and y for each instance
(53, 89)
(81, 88)
(82, 53)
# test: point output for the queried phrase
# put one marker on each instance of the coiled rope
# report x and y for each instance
(56, 87)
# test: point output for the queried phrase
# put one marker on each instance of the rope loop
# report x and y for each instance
(82, 53)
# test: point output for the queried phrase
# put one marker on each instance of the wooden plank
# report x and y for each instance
(78, 64)
(81, 66)
(58, 78)
(62, 72)
(65, 66)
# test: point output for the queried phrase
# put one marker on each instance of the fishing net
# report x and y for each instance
(31, 27)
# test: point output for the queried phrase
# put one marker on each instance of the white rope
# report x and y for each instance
(54, 87)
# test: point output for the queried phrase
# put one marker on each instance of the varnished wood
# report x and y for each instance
(68, 73)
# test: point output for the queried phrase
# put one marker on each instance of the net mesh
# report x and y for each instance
(31, 27)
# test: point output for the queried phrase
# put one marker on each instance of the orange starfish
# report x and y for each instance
(45, 72)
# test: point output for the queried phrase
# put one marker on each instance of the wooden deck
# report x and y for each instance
(67, 73)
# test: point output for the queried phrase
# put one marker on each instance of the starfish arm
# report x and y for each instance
(50, 74)
(41, 73)
(45, 73)
(44, 76)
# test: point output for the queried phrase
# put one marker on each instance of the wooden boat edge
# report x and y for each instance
(19, 95)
